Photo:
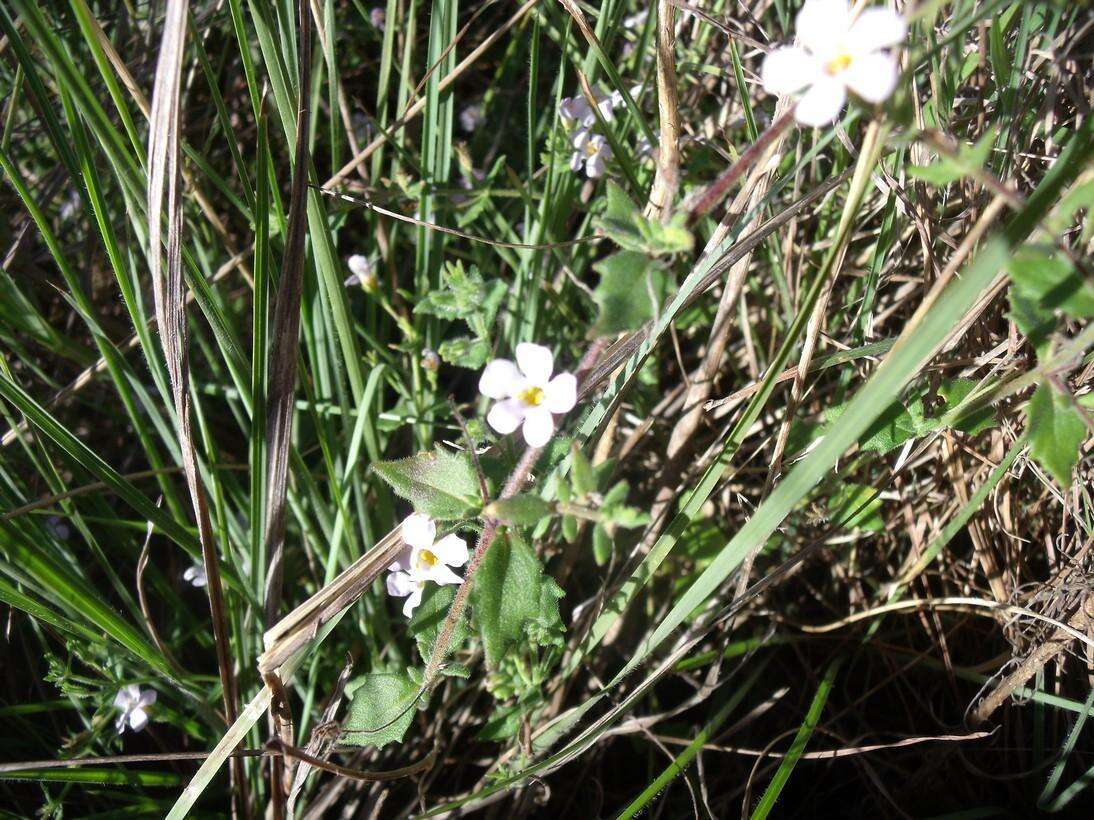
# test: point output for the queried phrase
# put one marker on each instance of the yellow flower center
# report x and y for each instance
(427, 559)
(841, 62)
(531, 396)
(590, 148)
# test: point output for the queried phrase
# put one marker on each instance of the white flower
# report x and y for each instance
(591, 151)
(471, 117)
(361, 273)
(637, 20)
(58, 528)
(195, 575)
(132, 702)
(838, 51)
(577, 111)
(424, 559)
(526, 394)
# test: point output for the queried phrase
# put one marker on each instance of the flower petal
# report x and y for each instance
(402, 561)
(821, 103)
(443, 575)
(577, 159)
(561, 393)
(138, 719)
(127, 696)
(874, 29)
(536, 362)
(822, 25)
(787, 70)
(147, 698)
(872, 76)
(119, 722)
(500, 379)
(506, 416)
(451, 550)
(419, 531)
(595, 167)
(538, 426)
(400, 584)
(359, 265)
(412, 602)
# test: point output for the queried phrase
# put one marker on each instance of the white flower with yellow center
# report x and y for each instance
(133, 704)
(838, 51)
(591, 151)
(424, 559)
(526, 394)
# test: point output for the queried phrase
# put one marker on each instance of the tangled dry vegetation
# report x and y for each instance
(815, 540)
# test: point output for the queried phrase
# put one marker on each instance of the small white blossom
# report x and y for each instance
(424, 559)
(361, 273)
(636, 20)
(195, 575)
(838, 51)
(576, 111)
(58, 528)
(526, 394)
(591, 152)
(378, 17)
(133, 702)
(471, 117)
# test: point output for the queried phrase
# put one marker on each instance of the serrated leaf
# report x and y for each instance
(425, 624)
(618, 221)
(440, 484)
(465, 352)
(380, 710)
(508, 595)
(1056, 432)
(520, 510)
(631, 290)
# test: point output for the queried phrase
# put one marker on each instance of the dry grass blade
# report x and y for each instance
(164, 174)
(282, 370)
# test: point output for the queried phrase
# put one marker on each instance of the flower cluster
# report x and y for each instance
(423, 559)
(838, 51)
(590, 150)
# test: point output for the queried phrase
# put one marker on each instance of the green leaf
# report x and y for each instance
(381, 709)
(970, 159)
(1056, 432)
(1051, 282)
(465, 352)
(624, 223)
(426, 622)
(464, 293)
(856, 507)
(440, 484)
(520, 510)
(582, 472)
(953, 392)
(510, 593)
(602, 545)
(631, 290)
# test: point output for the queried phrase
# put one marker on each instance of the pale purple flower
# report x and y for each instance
(424, 559)
(378, 17)
(133, 704)
(839, 51)
(525, 394)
